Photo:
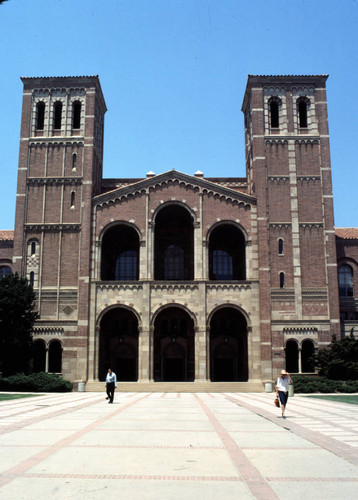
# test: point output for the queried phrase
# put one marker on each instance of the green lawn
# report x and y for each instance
(7, 397)
(353, 400)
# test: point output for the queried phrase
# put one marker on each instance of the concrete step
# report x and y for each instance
(255, 386)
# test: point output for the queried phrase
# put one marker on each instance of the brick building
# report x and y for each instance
(177, 277)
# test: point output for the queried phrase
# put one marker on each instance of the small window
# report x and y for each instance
(57, 119)
(280, 246)
(73, 198)
(33, 248)
(40, 115)
(282, 280)
(32, 278)
(74, 161)
(76, 115)
(302, 113)
(274, 114)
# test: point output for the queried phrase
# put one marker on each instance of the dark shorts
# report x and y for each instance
(283, 397)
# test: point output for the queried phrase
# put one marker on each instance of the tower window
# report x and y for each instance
(32, 278)
(280, 246)
(275, 123)
(33, 248)
(73, 197)
(57, 119)
(302, 113)
(76, 115)
(74, 161)
(40, 115)
(282, 280)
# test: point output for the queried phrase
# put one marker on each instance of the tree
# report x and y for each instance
(339, 361)
(17, 317)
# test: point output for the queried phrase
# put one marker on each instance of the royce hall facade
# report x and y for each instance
(176, 277)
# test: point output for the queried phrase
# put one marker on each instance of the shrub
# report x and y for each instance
(339, 360)
(37, 382)
(308, 384)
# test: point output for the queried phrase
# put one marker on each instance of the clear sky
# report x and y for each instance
(173, 73)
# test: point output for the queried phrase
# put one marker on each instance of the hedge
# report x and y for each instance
(37, 382)
(308, 384)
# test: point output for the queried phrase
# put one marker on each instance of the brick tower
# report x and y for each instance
(288, 171)
(60, 170)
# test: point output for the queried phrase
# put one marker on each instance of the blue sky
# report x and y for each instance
(173, 73)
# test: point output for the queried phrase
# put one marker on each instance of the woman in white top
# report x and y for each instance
(283, 382)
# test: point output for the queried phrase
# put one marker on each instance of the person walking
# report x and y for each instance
(111, 384)
(283, 382)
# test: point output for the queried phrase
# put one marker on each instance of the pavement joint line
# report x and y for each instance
(155, 477)
(338, 448)
(22, 467)
(254, 481)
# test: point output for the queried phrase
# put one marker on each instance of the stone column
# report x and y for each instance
(300, 359)
(143, 355)
(200, 354)
(46, 359)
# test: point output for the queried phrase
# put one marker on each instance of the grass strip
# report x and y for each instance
(351, 399)
(7, 397)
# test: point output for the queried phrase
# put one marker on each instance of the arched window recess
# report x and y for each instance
(274, 112)
(302, 111)
(40, 115)
(57, 115)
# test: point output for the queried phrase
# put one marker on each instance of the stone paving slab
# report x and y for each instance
(175, 446)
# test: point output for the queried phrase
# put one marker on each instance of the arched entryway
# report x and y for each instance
(308, 356)
(292, 356)
(174, 354)
(55, 357)
(228, 346)
(39, 356)
(118, 344)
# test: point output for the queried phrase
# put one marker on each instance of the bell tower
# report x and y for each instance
(289, 172)
(60, 170)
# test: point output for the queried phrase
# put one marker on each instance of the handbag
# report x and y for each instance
(277, 403)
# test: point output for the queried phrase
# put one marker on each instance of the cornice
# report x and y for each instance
(53, 227)
(55, 142)
(144, 186)
(31, 181)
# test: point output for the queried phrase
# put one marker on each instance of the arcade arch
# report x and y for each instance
(174, 346)
(118, 344)
(228, 346)
(174, 244)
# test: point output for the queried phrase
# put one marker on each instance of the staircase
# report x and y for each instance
(255, 386)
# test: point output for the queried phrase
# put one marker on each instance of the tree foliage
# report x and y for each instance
(339, 361)
(17, 317)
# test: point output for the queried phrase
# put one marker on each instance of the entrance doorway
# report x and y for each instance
(228, 346)
(174, 356)
(118, 346)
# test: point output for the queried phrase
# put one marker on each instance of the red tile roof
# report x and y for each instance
(347, 233)
(6, 235)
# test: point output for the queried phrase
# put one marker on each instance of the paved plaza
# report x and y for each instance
(177, 446)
